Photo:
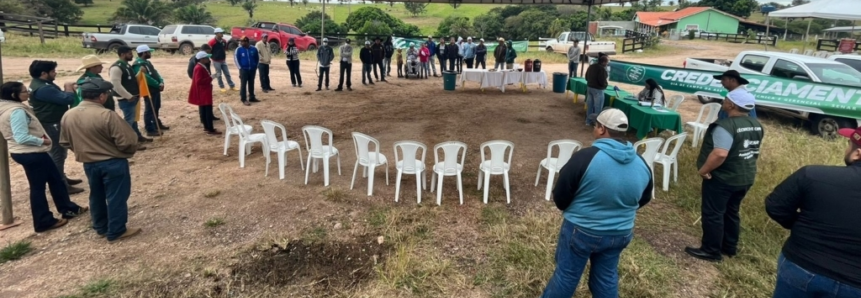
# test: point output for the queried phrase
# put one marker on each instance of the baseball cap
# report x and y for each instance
(742, 98)
(612, 118)
(367, 42)
(348, 40)
(144, 48)
(219, 30)
(854, 134)
(732, 74)
(95, 84)
(481, 40)
(201, 55)
(325, 39)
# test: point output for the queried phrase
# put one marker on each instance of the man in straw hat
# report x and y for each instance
(92, 67)
(103, 142)
(499, 54)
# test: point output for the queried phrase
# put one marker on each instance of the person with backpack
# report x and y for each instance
(390, 51)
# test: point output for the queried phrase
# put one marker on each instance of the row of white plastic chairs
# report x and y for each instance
(809, 52)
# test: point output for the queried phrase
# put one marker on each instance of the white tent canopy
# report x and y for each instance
(849, 10)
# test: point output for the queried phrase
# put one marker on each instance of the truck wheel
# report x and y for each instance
(705, 99)
(113, 47)
(232, 46)
(549, 49)
(274, 47)
(312, 47)
(827, 126)
(186, 48)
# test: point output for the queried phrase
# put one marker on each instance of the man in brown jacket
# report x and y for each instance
(103, 142)
(596, 83)
(499, 54)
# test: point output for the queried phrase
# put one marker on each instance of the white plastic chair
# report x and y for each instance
(229, 128)
(703, 120)
(808, 53)
(675, 102)
(449, 167)
(498, 164)
(410, 165)
(793, 51)
(652, 146)
(555, 164)
(317, 151)
(280, 147)
(368, 160)
(246, 139)
(668, 160)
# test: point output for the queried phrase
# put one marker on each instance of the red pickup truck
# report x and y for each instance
(278, 35)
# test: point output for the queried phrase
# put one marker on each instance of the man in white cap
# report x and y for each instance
(468, 49)
(219, 55)
(481, 54)
(366, 56)
(325, 55)
(92, 67)
(155, 82)
(598, 208)
(265, 53)
(727, 165)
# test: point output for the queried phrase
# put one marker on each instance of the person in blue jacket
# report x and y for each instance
(598, 208)
(246, 59)
(432, 49)
(468, 52)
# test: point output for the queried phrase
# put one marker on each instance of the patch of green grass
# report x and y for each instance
(102, 286)
(336, 195)
(213, 222)
(14, 251)
(494, 215)
(377, 217)
(315, 234)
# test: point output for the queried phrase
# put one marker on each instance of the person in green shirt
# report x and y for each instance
(727, 165)
(92, 67)
(155, 82)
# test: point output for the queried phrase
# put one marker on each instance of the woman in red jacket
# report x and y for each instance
(424, 57)
(201, 92)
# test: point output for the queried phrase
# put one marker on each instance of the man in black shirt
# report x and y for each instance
(378, 53)
(820, 205)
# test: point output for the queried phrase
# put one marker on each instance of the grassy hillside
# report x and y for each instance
(229, 16)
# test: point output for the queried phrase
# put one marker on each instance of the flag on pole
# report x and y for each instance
(144, 92)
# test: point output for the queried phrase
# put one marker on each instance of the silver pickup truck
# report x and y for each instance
(131, 35)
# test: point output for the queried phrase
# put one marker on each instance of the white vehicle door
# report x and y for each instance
(188, 33)
(560, 42)
(207, 33)
(134, 36)
(150, 35)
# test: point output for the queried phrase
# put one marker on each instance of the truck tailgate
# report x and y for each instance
(705, 64)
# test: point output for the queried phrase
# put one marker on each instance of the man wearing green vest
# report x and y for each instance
(50, 103)
(156, 85)
(92, 67)
(125, 91)
(727, 164)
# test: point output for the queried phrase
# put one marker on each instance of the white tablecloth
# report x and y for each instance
(500, 79)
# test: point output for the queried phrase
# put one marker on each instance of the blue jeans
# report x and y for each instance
(221, 67)
(594, 102)
(40, 170)
(795, 282)
(572, 69)
(574, 249)
(128, 108)
(110, 187)
(151, 111)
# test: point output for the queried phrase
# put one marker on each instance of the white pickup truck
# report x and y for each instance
(564, 41)
(788, 66)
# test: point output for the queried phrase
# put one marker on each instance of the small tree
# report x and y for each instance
(415, 8)
(84, 2)
(305, 2)
(375, 28)
(192, 14)
(249, 6)
(152, 12)
(234, 2)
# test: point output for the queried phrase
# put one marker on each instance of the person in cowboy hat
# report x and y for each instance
(734, 84)
(92, 67)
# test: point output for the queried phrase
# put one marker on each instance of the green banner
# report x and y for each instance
(819, 98)
(519, 46)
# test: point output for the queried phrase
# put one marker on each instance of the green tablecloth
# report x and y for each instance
(644, 118)
(577, 85)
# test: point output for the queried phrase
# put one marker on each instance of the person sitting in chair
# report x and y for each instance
(652, 93)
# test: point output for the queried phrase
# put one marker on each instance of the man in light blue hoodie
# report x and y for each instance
(468, 49)
(599, 191)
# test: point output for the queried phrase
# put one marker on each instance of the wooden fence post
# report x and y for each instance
(66, 29)
(7, 220)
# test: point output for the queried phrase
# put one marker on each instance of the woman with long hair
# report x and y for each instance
(29, 146)
(652, 93)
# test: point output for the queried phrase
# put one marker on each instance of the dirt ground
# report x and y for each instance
(183, 180)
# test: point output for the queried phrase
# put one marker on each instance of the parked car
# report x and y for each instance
(131, 35)
(853, 61)
(793, 67)
(278, 35)
(563, 42)
(186, 38)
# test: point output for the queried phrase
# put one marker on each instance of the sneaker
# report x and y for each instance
(213, 132)
(300, 85)
(254, 100)
(153, 134)
(223, 90)
(270, 89)
(294, 85)
(128, 234)
(163, 127)
(339, 90)
(372, 82)
(246, 103)
(234, 88)
(74, 190)
(265, 91)
(74, 181)
(142, 139)
(318, 89)
(60, 222)
(384, 80)
(72, 214)
(349, 89)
